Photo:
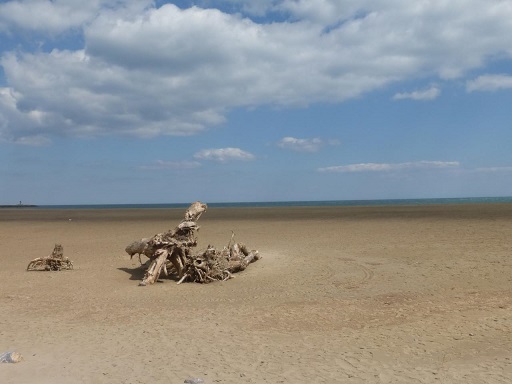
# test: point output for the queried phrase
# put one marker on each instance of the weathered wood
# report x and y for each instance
(237, 266)
(53, 262)
(214, 265)
(155, 268)
(171, 251)
(194, 212)
(173, 245)
(137, 247)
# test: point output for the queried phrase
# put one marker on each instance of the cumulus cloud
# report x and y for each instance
(427, 94)
(57, 16)
(224, 154)
(386, 167)
(27, 125)
(489, 83)
(300, 145)
(147, 71)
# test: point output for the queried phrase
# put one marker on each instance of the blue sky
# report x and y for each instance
(231, 100)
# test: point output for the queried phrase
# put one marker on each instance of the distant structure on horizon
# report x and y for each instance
(19, 205)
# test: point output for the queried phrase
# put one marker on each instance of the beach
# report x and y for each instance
(395, 294)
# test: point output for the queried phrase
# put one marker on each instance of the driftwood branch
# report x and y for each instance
(173, 245)
(171, 252)
(214, 265)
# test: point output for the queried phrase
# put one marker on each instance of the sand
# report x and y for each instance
(341, 295)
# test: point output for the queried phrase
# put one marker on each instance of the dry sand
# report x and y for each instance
(341, 295)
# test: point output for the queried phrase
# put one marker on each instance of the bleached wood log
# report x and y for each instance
(237, 266)
(155, 268)
(194, 212)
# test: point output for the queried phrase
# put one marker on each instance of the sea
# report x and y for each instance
(325, 203)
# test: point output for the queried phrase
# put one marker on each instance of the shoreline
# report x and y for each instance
(473, 210)
(297, 203)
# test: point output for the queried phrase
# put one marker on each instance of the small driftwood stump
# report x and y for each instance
(53, 262)
(172, 251)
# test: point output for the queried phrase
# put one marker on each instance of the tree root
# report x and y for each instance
(53, 262)
(172, 251)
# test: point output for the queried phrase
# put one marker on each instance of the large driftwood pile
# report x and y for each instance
(171, 251)
(55, 261)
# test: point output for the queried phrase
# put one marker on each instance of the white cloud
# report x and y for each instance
(427, 94)
(88, 98)
(57, 16)
(144, 71)
(386, 167)
(224, 154)
(28, 125)
(171, 165)
(489, 83)
(300, 145)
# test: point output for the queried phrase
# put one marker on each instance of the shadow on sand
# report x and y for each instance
(135, 273)
(138, 274)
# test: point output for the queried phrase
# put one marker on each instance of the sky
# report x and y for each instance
(138, 101)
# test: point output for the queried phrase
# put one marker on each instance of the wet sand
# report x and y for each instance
(341, 295)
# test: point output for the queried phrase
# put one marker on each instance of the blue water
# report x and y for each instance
(331, 203)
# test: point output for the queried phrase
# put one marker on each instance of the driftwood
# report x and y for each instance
(171, 251)
(215, 265)
(137, 247)
(53, 262)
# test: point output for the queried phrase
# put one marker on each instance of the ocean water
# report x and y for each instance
(329, 203)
